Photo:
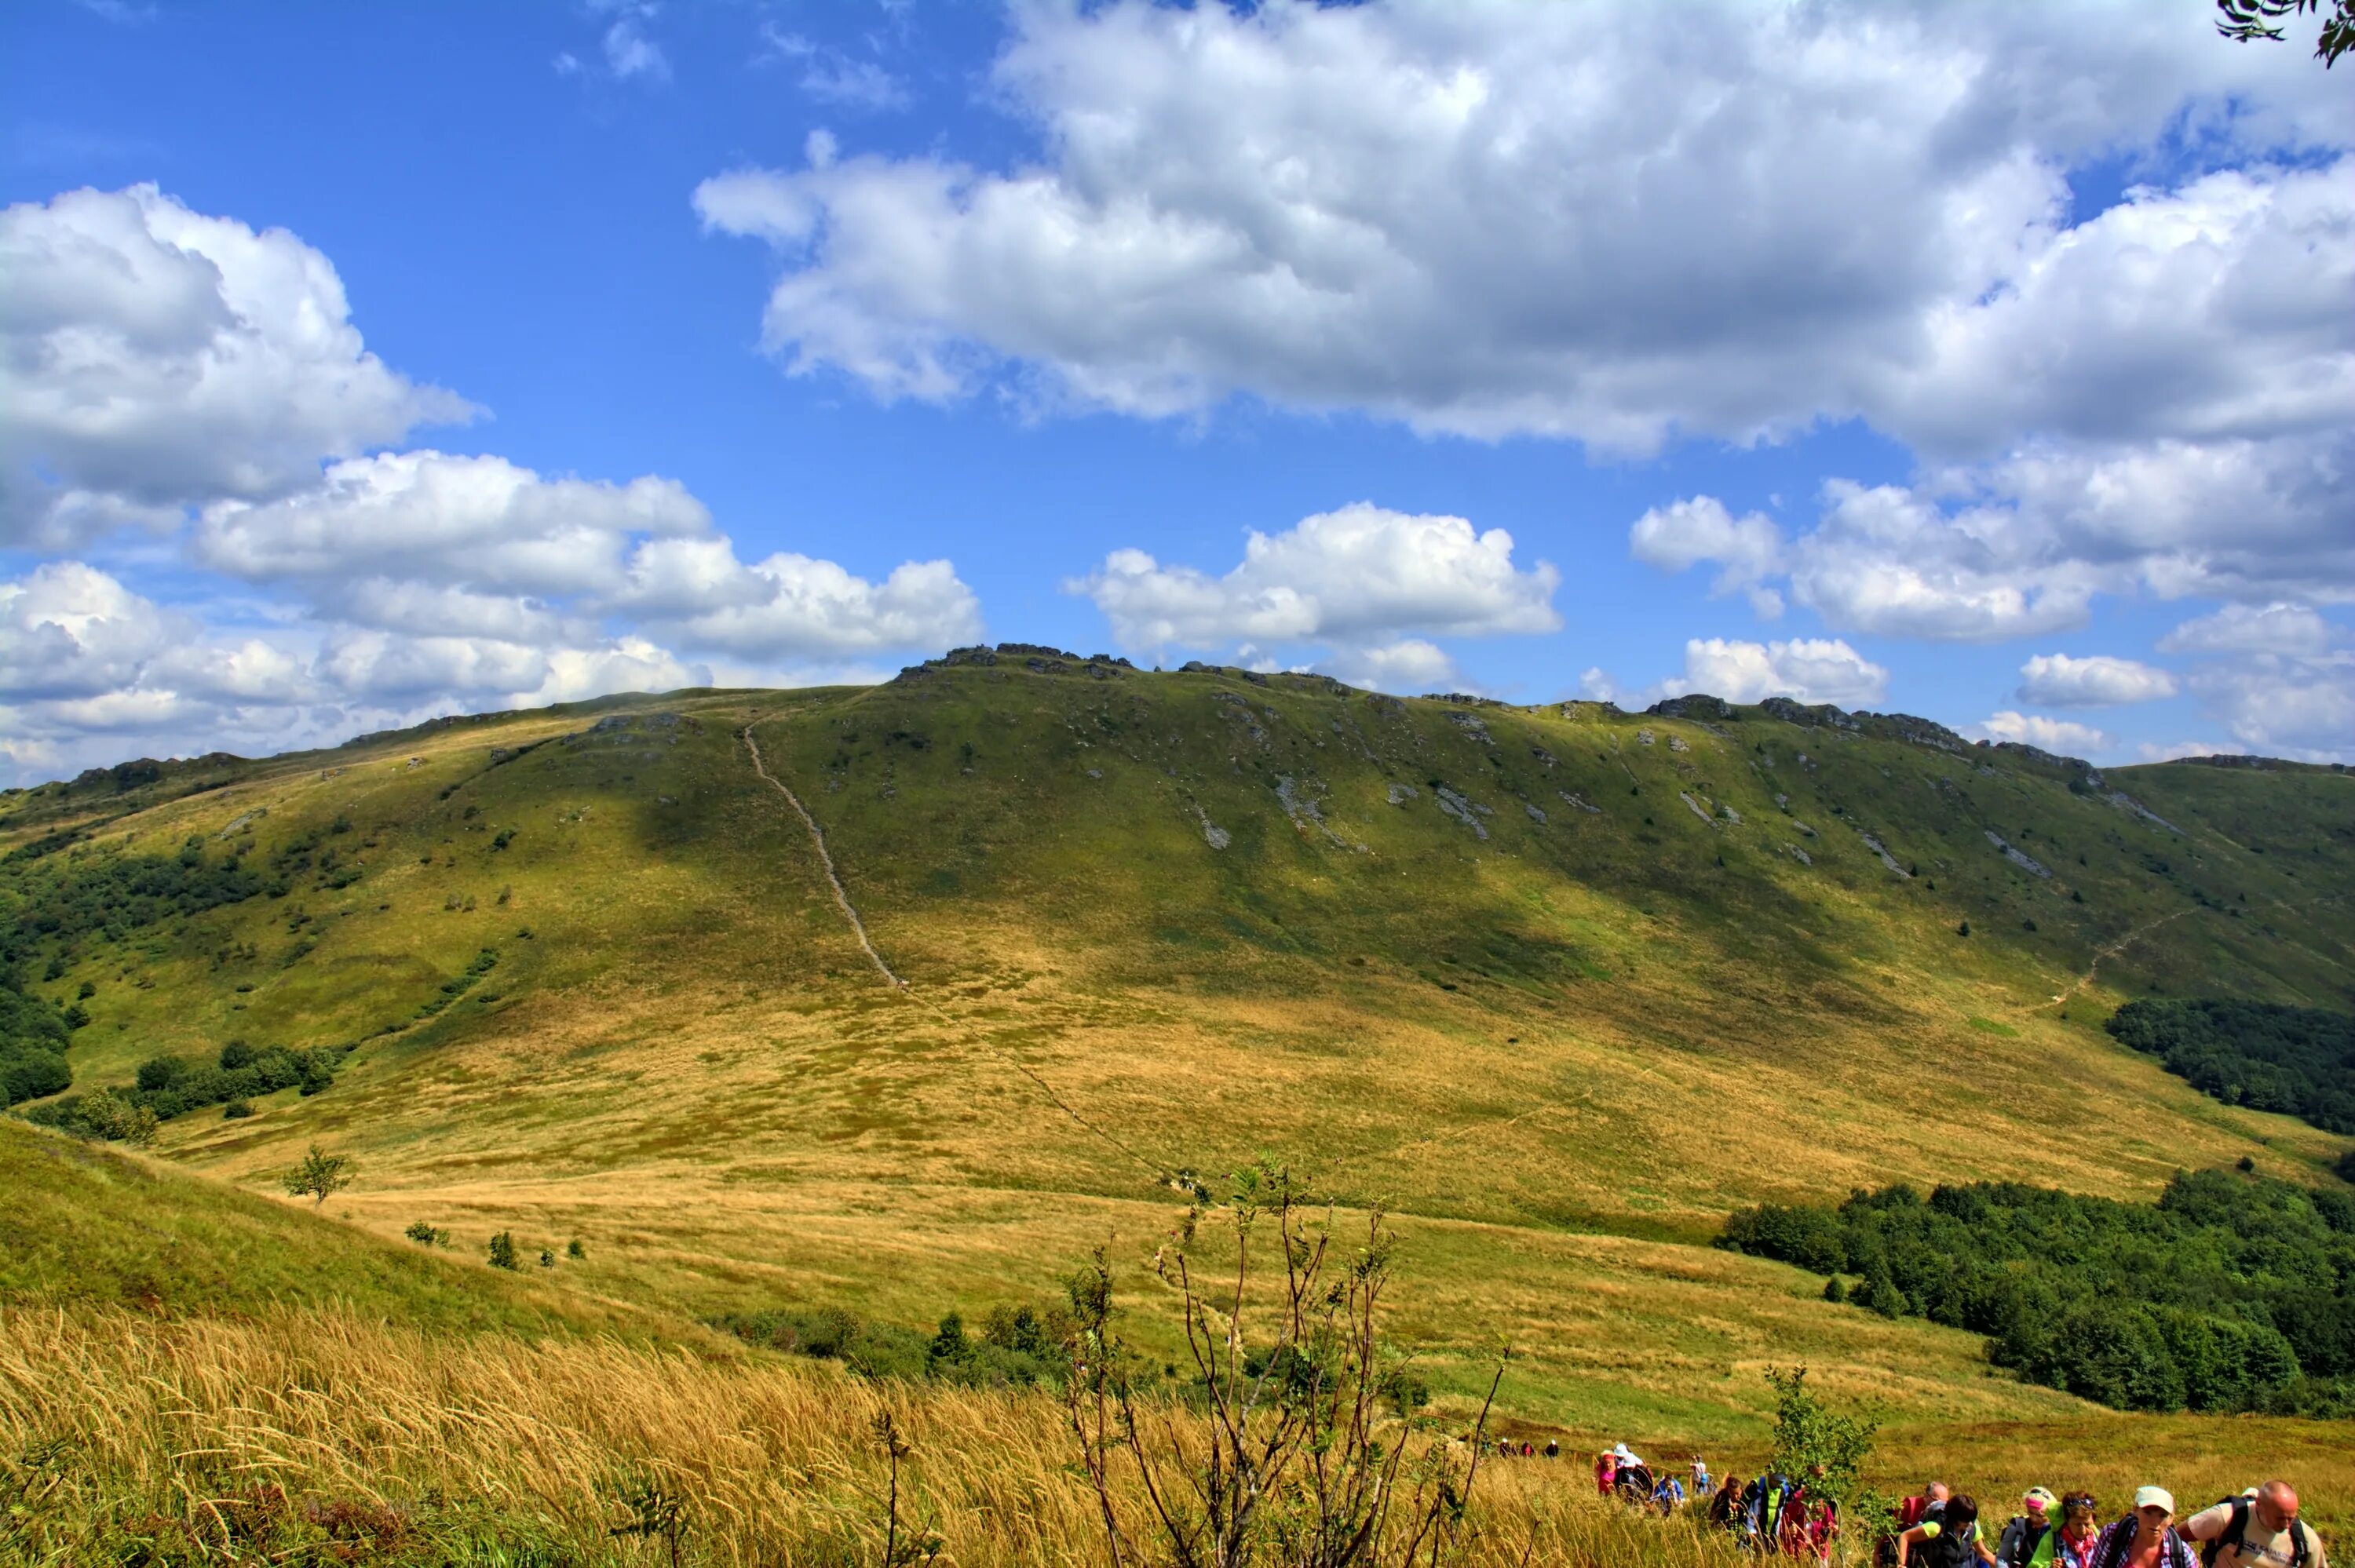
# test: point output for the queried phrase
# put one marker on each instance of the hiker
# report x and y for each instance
(2142, 1539)
(2256, 1529)
(2028, 1539)
(1791, 1537)
(1948, 1536)
(1606, 1471)
(2080, 1531)
(1725, 1508)
(1909, 1514)
(1699, 1467)
(1669, 1494)
(1553, 1449)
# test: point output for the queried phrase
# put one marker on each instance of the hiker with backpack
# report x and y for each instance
(2029, 1538)
(2142, 1539)
(2080, 1531)
(2259, 1529)
(1948, 1537)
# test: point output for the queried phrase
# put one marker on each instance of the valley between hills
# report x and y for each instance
(1556, 987)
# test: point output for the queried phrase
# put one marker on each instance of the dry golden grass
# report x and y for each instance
(775, 1463)
(778, 1463)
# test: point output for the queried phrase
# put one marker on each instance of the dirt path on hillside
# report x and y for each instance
(2111, 951)
(966, 1031)
(817, 838)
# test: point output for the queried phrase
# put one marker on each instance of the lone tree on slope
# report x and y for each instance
(321, 1176)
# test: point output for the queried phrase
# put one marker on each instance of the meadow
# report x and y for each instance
(1558, 988)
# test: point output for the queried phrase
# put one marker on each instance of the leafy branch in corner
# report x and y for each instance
(2248, 21)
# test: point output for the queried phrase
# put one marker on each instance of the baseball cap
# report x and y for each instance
(2154, 1496)
(2038, 1498)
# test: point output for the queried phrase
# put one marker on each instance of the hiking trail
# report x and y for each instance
(817, 838)
(1160, 1171)
(2111, 951)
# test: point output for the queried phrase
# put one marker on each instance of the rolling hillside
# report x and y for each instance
(1558, 985)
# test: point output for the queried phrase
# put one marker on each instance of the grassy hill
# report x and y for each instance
(1559, 986)
(88, 1227)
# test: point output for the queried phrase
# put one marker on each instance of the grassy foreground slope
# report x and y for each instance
(335, 1399)
(1559, 985)
(86, 1227)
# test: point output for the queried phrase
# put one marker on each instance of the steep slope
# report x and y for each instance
(1560, 985)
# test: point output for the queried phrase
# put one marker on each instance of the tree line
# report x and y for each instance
(2233, 1291)
(2299, 1060)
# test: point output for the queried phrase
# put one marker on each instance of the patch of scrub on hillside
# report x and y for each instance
(2015, 856)
(1462, 808)
(1886, 858)
(1217, 837)
(1989, 1026)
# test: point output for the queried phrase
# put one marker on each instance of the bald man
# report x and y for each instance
(2257, 1531)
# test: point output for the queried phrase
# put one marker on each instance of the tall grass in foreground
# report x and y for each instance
(217, 1441)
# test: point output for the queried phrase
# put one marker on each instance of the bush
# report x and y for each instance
(424, 1235)
(32, 1075)
(503, 1251)
(237, 1110)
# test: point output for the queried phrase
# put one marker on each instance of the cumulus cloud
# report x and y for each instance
(2280, 629)
(1491, 222)
(1361, 575)
(1409, 666)
(1806, 670)
(432, 545)
(2059, 681)
(2280, 677)
(188, 374)
(158, 358)
(2065, 737)
(1686, 533)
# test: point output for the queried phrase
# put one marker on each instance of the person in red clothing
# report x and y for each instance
(1606, 1471)
(2080, 1531)
(2142, 1539)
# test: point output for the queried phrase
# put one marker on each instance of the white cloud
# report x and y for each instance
(430, 544)
(2059, 681)
(1494, 220)
(1685, 532)
(156, 358)
(2065, 737)
(1809, 670)
(2283, 629)
(629, 52)
(187, 374)
(1409, 666)
(815, 608)
(831, 75)
(1361, 575)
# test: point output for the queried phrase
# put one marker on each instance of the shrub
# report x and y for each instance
(503, 1251)
(237, 1110)
(421, 1232)
(574, 1249)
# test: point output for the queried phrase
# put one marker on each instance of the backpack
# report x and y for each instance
(2236, 1532)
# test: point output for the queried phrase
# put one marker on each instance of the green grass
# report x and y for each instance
(89, 1226)
(1594, 1030)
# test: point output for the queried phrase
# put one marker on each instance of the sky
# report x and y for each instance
(1991, 363)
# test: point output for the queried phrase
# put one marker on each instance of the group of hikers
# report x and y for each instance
(1941, 1528)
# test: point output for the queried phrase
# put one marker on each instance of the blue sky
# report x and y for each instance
(365, 364)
